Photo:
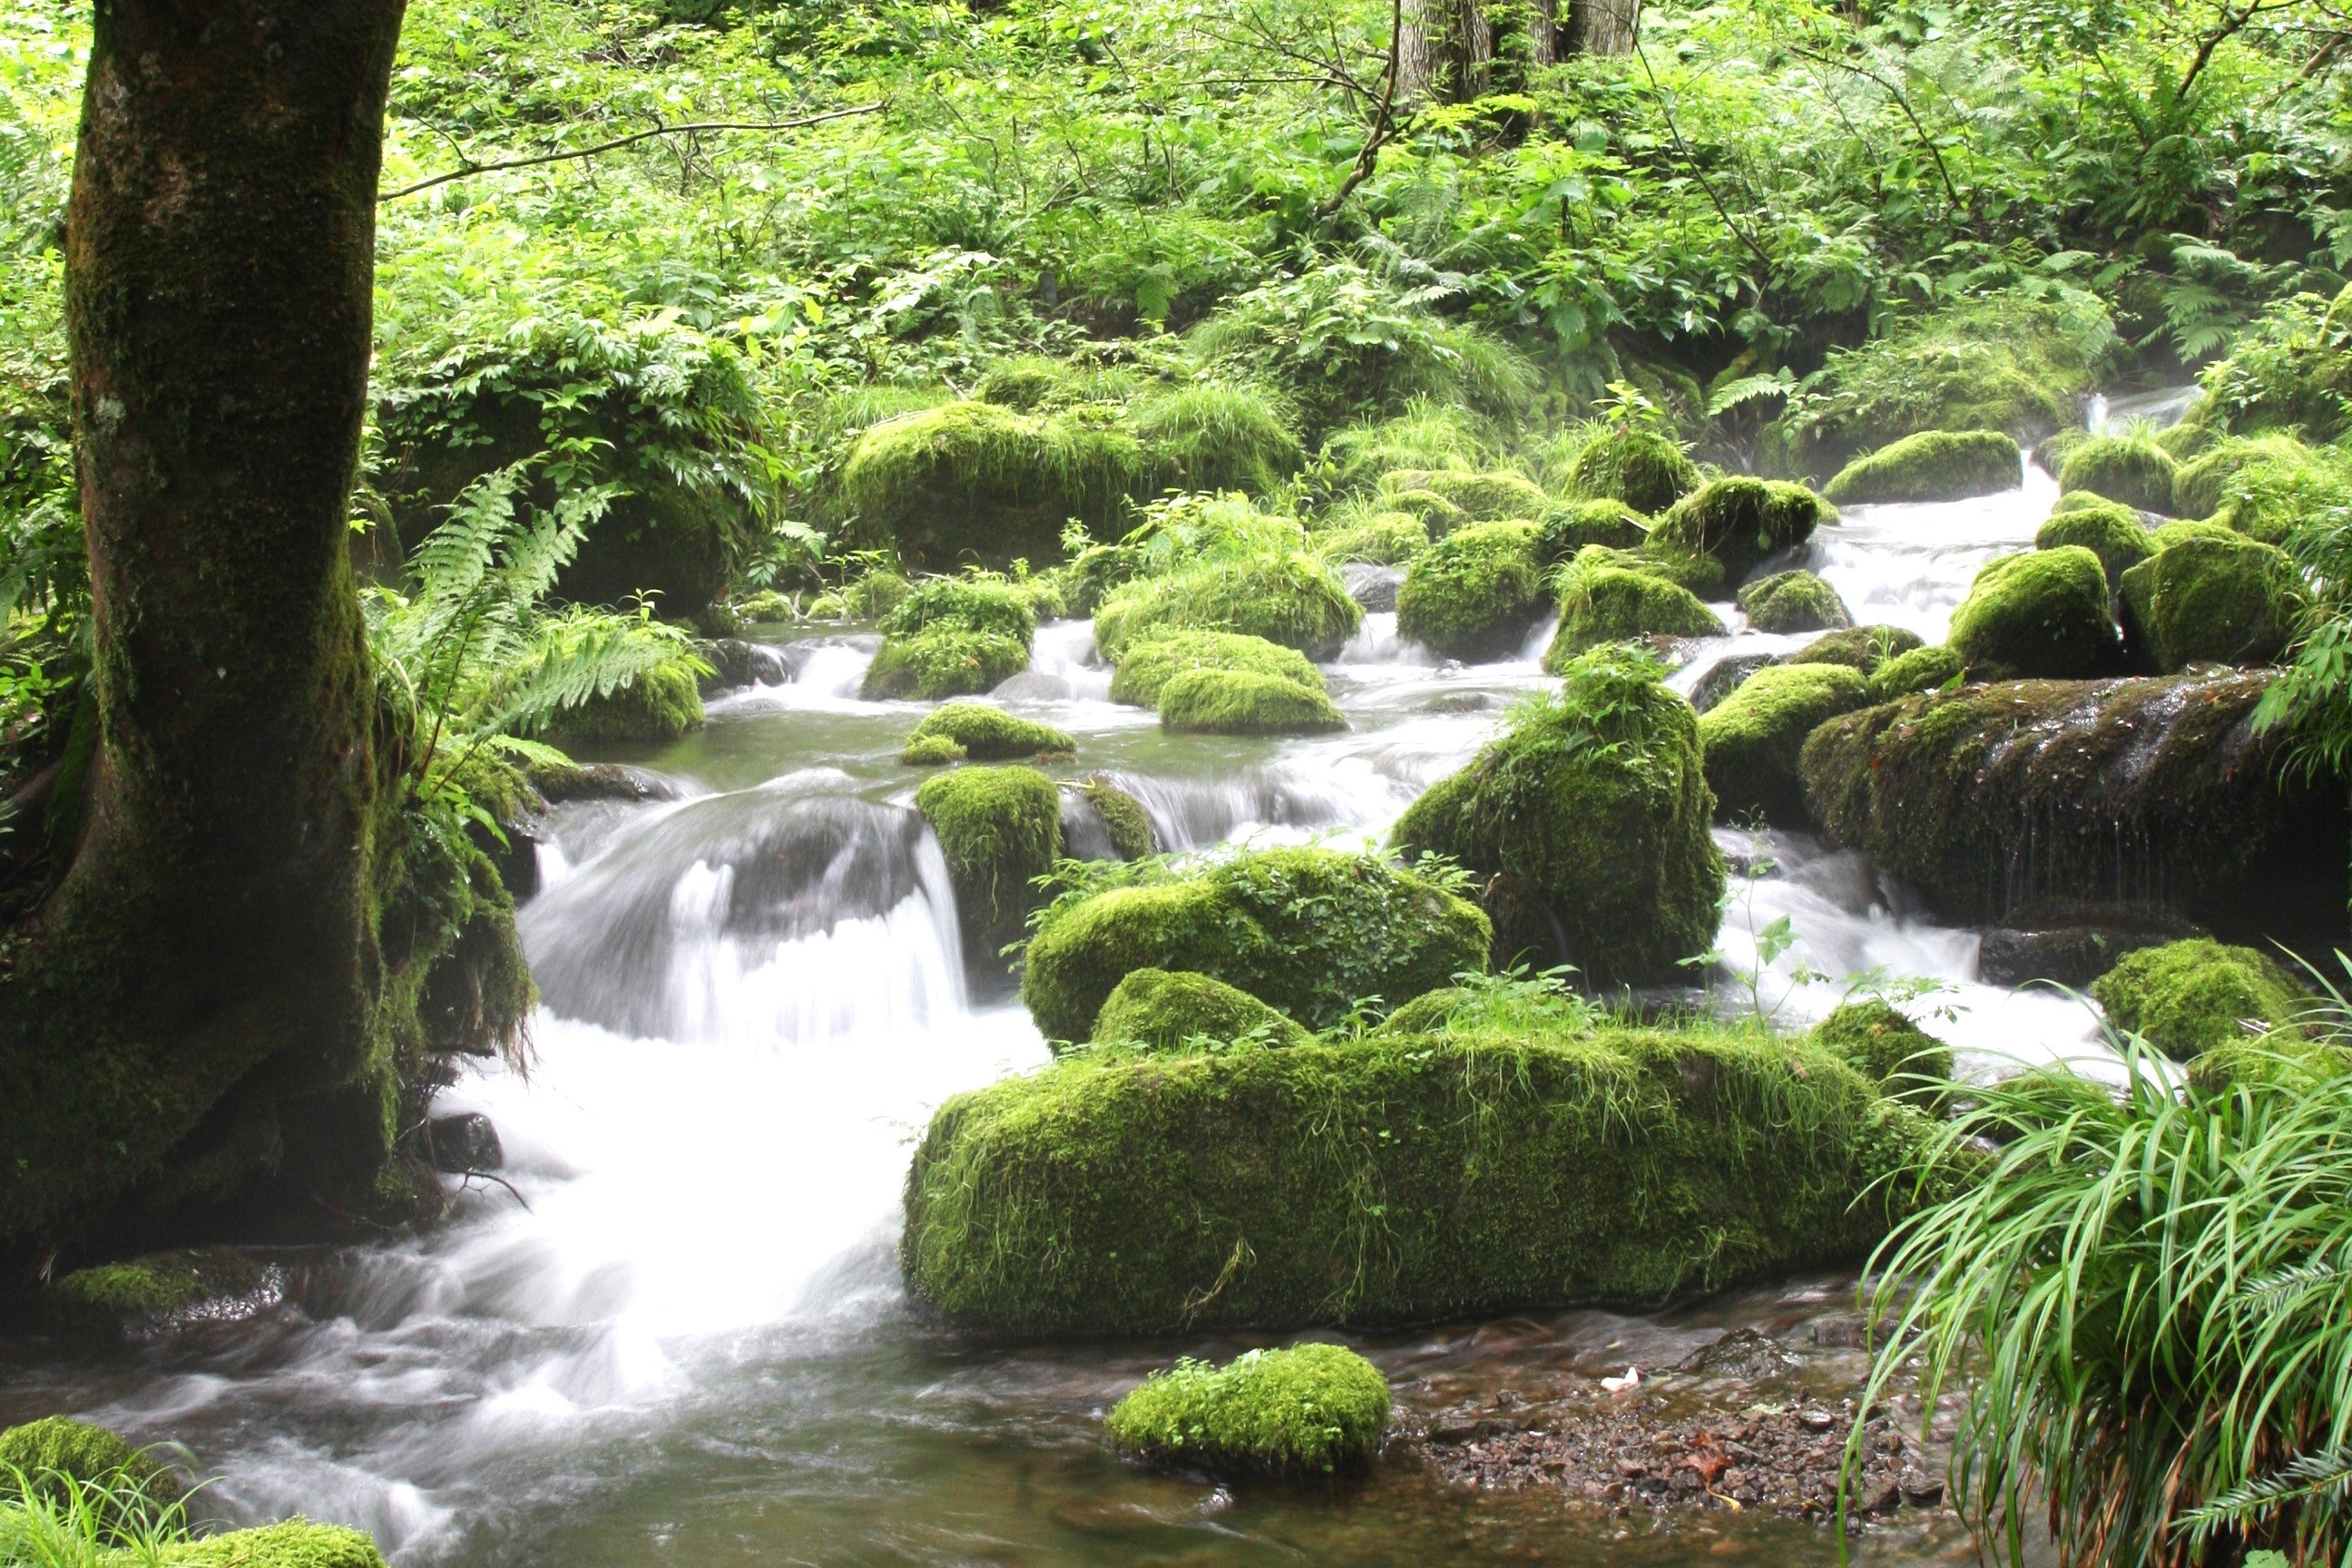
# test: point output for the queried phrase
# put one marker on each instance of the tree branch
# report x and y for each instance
(1383, 123)
(1705, 184)
(472, 169)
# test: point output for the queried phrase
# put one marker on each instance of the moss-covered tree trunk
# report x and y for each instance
(210, 954)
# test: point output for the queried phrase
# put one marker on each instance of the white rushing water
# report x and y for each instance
(754, 996)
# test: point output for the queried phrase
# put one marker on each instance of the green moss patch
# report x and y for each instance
(1207, 436)
(1162, 1011)
(2211, 601)
(1238, 702)
(1793, 602)
(1385, 538)
(932, 666)
(1752, 739)
(660, 704)
(1889, 1049)
(1145, 668)
(2108, 530)
(1864, 649)
(1436, 515)
(1565, 529)
(1474, 594)
(1489, 497)
(1393, 1180)
(1934, 464)
(1312, 1410)
(2135, 472)
(160, 1283)
(291, 1543)
(1640, 467)
(989, 734)
(1311, 931)
(1000, 829)
(1123, 817)
(1741, 521)
(1602, 604)
(2186, 998)
(1596, 798)
(2042, 613)
(1919, 670)
(930, 751)
(2262, 486)
(57, 1451)
(1293, 599)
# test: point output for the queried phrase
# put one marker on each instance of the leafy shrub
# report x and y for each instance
(2291, 373)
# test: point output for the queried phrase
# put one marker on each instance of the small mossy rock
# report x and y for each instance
(660, 704)
(2040, 614)
(1311, 1410)
(1934, 464)
(2122, 468)
(2172, 534)
(2108, 530)
(963, 604)
(1919, 670)
(999, 829)
(1437, 516)
(932, 666)
(930, 751)
(1603, 605)
(1123, 818)
(1699, 575)
(1640, 467)
(1565, 529)
(1793, 602)
(1992, 798)
(1864, 649)
(1163, 1010)
(867, 597)
(989, 734)
(1145, 1194)
(196, 1282)
(1293, 600)
(1311, 931)
(2211, 601)
(57, 1451)
(765, 607)
(2187, 998)
(2050, 452)
(289, 1544)
(1740, 522)
(1146, 667)
(1491, 497)
(1240, 702)
(2262, 486)
(1474, 594)
(1890, 1051)
(1751, 740)
(1384, 539)
(1596, 796)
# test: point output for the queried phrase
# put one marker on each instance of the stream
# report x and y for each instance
(692, 1346)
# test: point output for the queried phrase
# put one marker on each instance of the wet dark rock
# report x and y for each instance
(161, 1293)
(2072, 946)
(464, 1142)
(1372, 585)
(1743, 1353)
(560, 783)
(1725, 677)
(736, 663)
(1846, 1330)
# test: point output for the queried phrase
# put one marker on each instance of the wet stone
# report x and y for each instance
(464, 1142)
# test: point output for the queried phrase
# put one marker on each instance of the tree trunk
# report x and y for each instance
(212, 953)
(1543, 33)
(1446, 47)
(1602, 26)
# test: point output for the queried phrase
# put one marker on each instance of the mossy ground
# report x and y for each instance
(1000, 829)
(989, 734)
(1934, 464)
(1242, 702)
(1602, 604)
(1157, 1010)
(2211, 601)
(1311, 931)
(1394, 1178)
(2042, 614)
(1293, 599)
(1641, 469)
(1474, 594)
(1145, 666)
(1793, 602)
(1311, 1410)
(2186, 998)
(1751, 740)
(2136, 472)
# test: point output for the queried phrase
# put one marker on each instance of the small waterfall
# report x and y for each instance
(1063, 667)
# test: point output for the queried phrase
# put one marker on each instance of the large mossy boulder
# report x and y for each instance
(999, 829)
(1243, 702)
(1308, 1411)
(289, 1544)
(2186, 998)
(1474, 595)
(2043, 613)
(1488, 497)
(1312, 933)
(1162, 1011)
(1291, 599)
(1753, 740)
(56, 1454)
(1394, 1180)
(1640, 467)
(1740, 522)
(1934, 464)
(1566, 529)
(1146, 666)
(989, 734)
(952, 637)
(2108, 530)
(1602, 604)
(1790, 602)
(2139, 793)
(1595, 800)
(2211, 601)
(2136, 472)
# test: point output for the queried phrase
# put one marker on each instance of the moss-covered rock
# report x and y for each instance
(869, 597)
(1385, 539)
(166, 1285)
(1751, 740)
(2040, 614)
(930, 751)
(1123, 818)
(1793, 602)
(1700, 575)
(2262, 485)
(290, 1543)
(1241, 703)
(1602, 604)
(2172, 534)
(1293, 599)
(2136, 472)
(1863, 648)
(1740, 522)
(1640, 467)
(2187, 998)
(1437, 516)
(1000, 829)
(1934, 464)
(2211, 601)
(1565, 529)
(2108, 530)
(1919, 670)
(1597, 799)
(1311, 931)
(56, 1452)
(1474, 594)
(1145, 668)
(2125, 792)
(989, 734)
(660, 704)
(963, 604)
(1393, 1180)
(1311, 1410)
(2050, 452)
(1889, 1049)
(935, 664)
(1163, 1011)
(1489, 497)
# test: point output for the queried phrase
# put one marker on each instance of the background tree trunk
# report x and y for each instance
(212, 951)
(1602, 26)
